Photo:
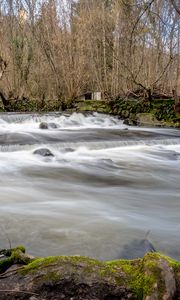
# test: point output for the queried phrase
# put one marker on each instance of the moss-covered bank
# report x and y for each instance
(160, 112)
(30, 105)
(75, 277)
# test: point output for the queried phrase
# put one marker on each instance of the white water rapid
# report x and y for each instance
(105, 187)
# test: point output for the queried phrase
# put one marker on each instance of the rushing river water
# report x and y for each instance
(105, 187)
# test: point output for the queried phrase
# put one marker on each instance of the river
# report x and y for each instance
(105, 187)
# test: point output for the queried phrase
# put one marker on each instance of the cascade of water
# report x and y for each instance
(91, 145)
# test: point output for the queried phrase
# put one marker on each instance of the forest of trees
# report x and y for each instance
(59, 49)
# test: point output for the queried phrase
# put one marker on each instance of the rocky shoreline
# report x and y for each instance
(154, 276)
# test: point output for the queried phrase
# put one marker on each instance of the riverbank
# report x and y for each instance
(160, 112)
(154, 276)
(141, 113)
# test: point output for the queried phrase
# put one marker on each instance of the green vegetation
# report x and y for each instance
(12, 256)
(143, 276)
(159, 112)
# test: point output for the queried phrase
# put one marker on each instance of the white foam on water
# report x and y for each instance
(74, 121)
(124, 144)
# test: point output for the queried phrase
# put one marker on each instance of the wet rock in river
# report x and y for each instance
(67, 150)
(43, 125)
(43, 152)
(137, 248)
(129, 122)
(52, 125)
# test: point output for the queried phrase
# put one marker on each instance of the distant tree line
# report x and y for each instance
(59, 49)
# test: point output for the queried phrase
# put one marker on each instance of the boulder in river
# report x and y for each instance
(137, 248)
(68, 150)
(52, 125)
(43, 125)
(45, 152)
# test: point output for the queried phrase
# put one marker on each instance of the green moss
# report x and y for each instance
(33, 105)
(156, 256)
(153, 272)
(172, 262)
(146, 271)
(71, 266)
(134, 277)
(161, 111)
(92, 105)
(9, 252)
(59, 260)
(40, 262)
(15, 255)
(5, 264)
(141, 276)
(21, 248)
(158, 102)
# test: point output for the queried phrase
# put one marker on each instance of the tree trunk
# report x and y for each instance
(176, 102)
(4, 100)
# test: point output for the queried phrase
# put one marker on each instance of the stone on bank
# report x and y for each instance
(154, 276)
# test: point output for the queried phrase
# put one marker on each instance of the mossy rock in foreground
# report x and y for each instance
(81, 278)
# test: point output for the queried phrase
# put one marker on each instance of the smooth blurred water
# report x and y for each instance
(107, 185)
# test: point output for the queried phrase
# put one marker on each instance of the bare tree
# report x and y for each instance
(60, 49)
